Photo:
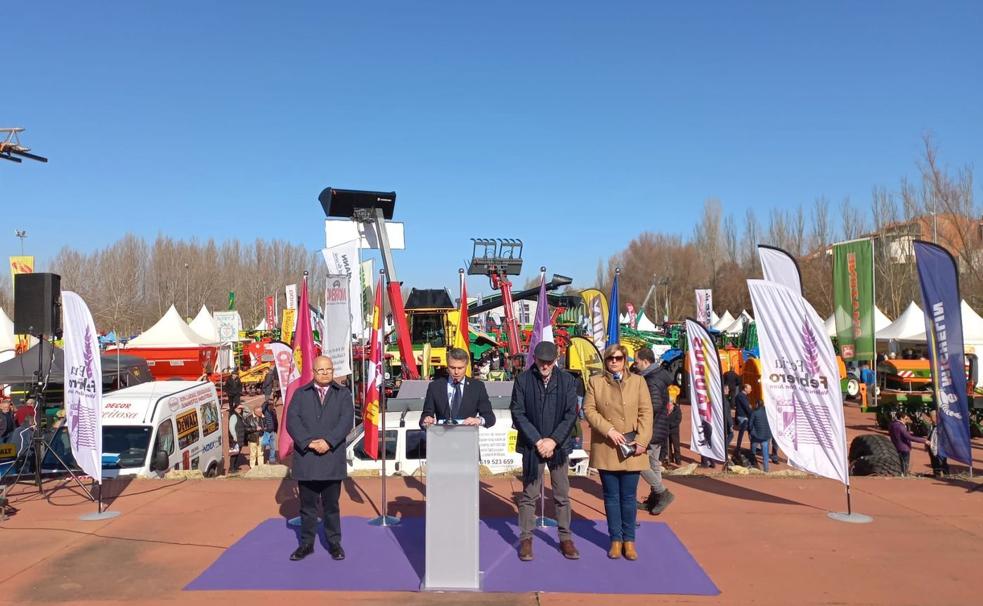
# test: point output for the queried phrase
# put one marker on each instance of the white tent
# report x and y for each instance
(644, 323)
(724, 321)
(7, 340)
(972, 330)
(910, 326)
(737, 326)
(714, 318)
(204, 324)
(169, 331)
(972, 323)
(261, 325)
(880, 322)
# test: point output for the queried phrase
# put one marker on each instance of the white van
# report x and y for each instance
(406, 446)
(152, 428)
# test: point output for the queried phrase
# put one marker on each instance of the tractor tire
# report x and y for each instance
(852, 388)
(874, 455)
(871, 445)
(877, 465)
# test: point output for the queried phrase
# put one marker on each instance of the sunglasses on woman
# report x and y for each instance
(615, 358)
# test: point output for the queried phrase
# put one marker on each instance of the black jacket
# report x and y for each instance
(543, 412)
(658, 380)
(474, 402)
(233, 386)
(308, 419)
(758, 427)
(268, 383)
(7, 423)
(675, 417)
(237, 433)
(270, 422)
(732, 381)
(743, 406)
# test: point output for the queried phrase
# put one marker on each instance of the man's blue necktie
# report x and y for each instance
(456, 402)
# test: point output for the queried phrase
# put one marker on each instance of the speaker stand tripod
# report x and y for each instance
(39, 447)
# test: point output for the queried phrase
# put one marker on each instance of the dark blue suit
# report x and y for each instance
(319, 476)
(474, 402)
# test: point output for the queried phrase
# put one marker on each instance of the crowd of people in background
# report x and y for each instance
(252, 433)
(17, 425)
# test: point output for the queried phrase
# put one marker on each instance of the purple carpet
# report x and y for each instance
(391, 559)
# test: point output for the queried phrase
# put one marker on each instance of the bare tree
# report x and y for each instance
(961, 230)
(797, 232)
(853, 222)
(817, 265)
(892, 253)
(731, 239)
(6, 294)
(708, 238)
(750, 241)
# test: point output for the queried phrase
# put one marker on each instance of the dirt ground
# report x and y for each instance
(761, 539)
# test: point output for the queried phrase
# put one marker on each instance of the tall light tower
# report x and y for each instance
(21, 233)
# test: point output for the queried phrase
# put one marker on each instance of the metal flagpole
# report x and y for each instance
(118, 386)
(384, 519)
(849, 516)
(873, 321)
(542, 521)
(101, 514)
(357, 337)
(348, 340)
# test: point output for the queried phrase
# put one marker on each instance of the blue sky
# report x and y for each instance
(571, 125)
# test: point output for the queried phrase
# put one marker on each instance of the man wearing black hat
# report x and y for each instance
(544, 410)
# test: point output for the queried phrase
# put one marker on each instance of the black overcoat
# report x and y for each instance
(308, 419)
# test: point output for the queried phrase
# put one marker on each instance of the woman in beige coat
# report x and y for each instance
(619, 410)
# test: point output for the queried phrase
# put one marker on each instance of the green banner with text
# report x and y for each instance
(853, 298)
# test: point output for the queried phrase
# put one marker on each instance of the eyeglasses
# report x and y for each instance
(615, 358)
(323, 371)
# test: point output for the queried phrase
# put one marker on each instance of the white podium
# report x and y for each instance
(452, 509)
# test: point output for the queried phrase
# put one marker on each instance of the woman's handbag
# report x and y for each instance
(627, 449)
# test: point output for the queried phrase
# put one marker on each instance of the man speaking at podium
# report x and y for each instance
(457, 399)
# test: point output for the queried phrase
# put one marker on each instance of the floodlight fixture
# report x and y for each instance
(357, 204)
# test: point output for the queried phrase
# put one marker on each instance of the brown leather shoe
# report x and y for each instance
(525, 550)
(630, 553)
(568, 550)
(615, 552)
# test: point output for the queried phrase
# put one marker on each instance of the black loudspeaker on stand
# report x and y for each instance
(37, 309)
(37, 312)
